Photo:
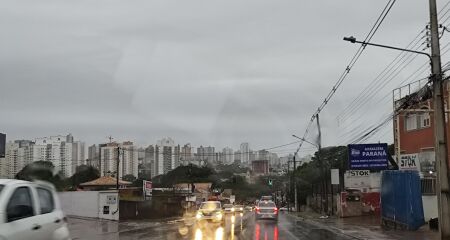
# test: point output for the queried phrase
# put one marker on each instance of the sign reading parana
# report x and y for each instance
(368, 156)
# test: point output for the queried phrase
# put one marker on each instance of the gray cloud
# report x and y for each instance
(205, 72)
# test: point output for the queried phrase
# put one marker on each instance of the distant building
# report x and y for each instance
(109, 155)
(141, 155)
(260, 167)
(165, 156)
(187, 155)
(149, 160)
(93, 156)
(237, 157)
(13, 159)
(69, 138)
(228, 155)
(128, 159)
(78, 154)
(3, 165)
(245, 153)
(252, 156)
(3, 168)
(210, 155)
(56, 150)
(2, 145)
(206, 154)
(18, 154)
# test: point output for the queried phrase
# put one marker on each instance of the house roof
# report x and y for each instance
(105, 181)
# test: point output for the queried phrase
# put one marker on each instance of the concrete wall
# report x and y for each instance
(90, 204)
(430, 209)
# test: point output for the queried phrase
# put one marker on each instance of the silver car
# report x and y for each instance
(266, 210)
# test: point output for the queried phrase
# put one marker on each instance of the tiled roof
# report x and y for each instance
(105, 181)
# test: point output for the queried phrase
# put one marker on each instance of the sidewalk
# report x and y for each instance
(364, 227)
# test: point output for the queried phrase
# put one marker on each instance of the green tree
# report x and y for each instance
(318, 170)
(183, 174)
(83, 174)
(39, 170)
(45, 171)
(129, 178)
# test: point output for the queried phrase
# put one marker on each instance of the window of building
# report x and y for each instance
(423, 120)
(428, 186)
(410, 122)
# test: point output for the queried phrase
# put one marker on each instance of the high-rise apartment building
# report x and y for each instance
(93, 156)
(127, 157)
(13, 161)
(65, 154)
(56, 150)
(186, 155)
(227, 155)
(3, 165)
(151, 153)
(78, 153)
(167, 156)
(245, 153)
(2, 145)
(109, 155)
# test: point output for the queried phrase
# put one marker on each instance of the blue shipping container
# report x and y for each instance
(401, 198)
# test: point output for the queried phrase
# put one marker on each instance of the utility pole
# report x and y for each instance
(440, 134)
(295, 185)
(117, 167)
(319, 146)
(289, 192)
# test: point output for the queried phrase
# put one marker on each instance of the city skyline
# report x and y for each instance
(284, 151)
(67, 152)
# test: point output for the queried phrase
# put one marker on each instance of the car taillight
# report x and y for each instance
(257, 209)
(275, 209)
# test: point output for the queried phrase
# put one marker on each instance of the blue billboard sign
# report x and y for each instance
(368, 156)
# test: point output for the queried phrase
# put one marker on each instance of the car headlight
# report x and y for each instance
(199, 215)
(219, 215)
(232, 209)
(241, 209)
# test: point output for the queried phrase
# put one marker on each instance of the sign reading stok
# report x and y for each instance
(368, 156)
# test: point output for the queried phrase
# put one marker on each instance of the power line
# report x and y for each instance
(350, 65)
(409, 100)
(386, 96)
(380, 76)
(357, 103)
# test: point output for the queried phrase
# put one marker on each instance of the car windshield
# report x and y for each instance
(210, 206)
(266, 204)
(161, 113)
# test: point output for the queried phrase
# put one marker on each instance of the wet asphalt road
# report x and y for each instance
(238, 226)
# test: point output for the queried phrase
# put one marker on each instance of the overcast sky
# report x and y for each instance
(206, 72)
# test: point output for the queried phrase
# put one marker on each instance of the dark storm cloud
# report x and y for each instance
(205, 72)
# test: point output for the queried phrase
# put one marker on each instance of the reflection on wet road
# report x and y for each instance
(236, 227)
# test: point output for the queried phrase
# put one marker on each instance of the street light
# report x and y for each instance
(353, 40)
